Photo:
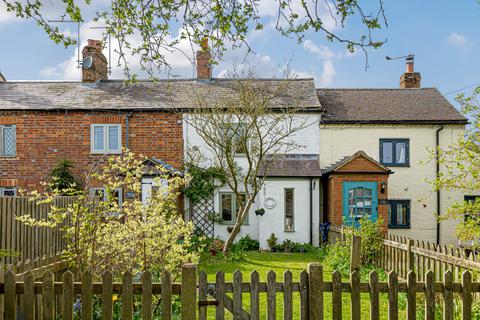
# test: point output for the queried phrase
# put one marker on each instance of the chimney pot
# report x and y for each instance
(410, 79)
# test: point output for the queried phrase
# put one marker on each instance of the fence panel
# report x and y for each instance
(23, 242)
(194, 294)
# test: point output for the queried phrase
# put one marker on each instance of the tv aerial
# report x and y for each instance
(62, 20)
(408, 58)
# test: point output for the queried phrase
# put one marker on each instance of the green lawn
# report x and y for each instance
(280, 262)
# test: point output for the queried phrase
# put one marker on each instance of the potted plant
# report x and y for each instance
(260, 212)
(287, 246)
(216, 247)
(272, 242)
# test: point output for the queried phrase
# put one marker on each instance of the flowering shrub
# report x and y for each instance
(134, 236)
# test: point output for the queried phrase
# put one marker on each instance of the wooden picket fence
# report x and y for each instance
(402, 255)
(25, 242)
(58, 297)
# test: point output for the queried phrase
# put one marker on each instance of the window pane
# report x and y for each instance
(8, 192)
(98, 138)
(390, 214)
(113, 138)
(289, 209)
(401, 214)
(401, 152)
(9, 140)
(387, 152)
(226, 207)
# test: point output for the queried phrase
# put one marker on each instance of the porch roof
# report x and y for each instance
(343, 163)
(294, 165)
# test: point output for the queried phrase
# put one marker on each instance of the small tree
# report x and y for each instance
(62, 178)
(130, 236)
(244, 133)
(461, 163)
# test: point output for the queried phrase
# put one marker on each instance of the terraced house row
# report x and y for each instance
(362, 155)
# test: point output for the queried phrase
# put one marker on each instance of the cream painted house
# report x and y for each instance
(401, 129)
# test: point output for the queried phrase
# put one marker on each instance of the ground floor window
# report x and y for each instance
(8, 192)
(289, 209)
(101, 194)
(398, 213)
(229, 207)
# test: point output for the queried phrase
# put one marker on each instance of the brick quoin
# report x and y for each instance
(45, 137)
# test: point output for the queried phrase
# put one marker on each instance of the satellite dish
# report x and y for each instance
(87, 62)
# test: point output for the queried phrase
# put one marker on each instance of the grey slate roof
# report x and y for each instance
(292, 165)
(149, 95)
(424, 105)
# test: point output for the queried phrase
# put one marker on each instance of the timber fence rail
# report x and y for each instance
(58, 297)
(22, 242)
(402, 255)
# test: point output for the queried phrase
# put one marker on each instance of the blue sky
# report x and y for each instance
(442, 34)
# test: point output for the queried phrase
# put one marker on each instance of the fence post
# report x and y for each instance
(189, 292)
(355, 259)
(315, 291)
(411, 256)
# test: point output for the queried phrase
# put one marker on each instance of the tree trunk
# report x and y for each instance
(236, 228)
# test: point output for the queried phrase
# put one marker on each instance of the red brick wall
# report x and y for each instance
(45, 137)
(334, 206)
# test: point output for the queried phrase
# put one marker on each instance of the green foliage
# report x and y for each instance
(226, 24)
(461, 171)
(203, 182)
(248, 244)
(340, 252)
(272, 241)
(132, 236)
(63, 180)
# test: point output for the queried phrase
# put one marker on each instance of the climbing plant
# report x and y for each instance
(203, 182)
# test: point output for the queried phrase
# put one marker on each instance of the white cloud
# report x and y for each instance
(322, 52)
(460, 40)
(328, 73)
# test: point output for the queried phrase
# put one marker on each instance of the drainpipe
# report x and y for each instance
(127, 131)
(437, 172)
(311, 210)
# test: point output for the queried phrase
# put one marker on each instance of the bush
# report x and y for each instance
(199, 243)
(272, 241)
(217, 245)
(248, 244)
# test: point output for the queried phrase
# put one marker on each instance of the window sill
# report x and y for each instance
(231, 223)
(396, 165)
(105, 152)
(399, 227)
(289, 231)
(9, 157)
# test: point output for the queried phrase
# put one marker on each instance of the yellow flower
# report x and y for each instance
(114, 298)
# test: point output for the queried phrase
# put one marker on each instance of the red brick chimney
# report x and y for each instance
(95, 64)
(204, 68)
(410, 79)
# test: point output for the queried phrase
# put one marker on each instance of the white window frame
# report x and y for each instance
(93, 191)
(234, 208)
(2, 142)
(3, 189)
(106, 139)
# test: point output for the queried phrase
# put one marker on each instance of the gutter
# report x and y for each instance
(311, 210)
(127, 129)
(437, 172)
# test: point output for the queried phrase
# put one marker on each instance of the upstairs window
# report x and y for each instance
(399, 213)
(106, 138)
(8, 140)
(394, 152)
(236, 138)
(8, 192)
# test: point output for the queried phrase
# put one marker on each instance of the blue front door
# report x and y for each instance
(360, 199)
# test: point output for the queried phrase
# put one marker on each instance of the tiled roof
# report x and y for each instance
(343, 161)
(163, 94)
(292, 165)
(423, 105)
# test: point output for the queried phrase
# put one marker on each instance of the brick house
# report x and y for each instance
(361, 157)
